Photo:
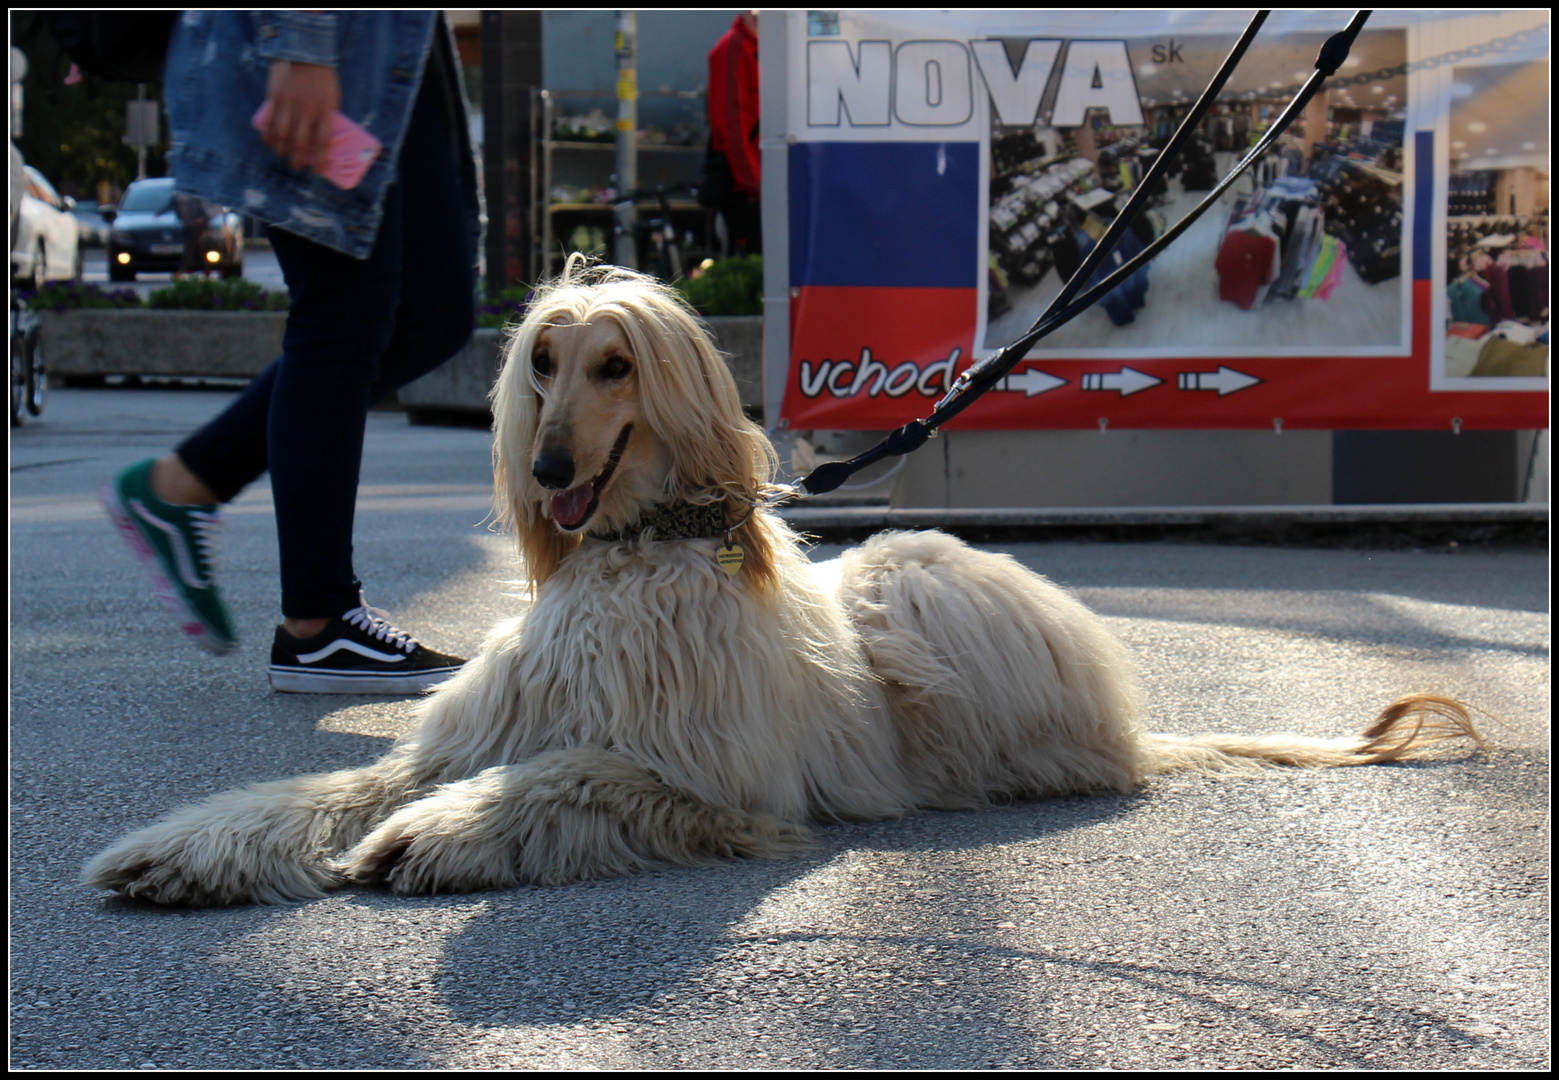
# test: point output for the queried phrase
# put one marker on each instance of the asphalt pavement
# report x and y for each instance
(1377, 918)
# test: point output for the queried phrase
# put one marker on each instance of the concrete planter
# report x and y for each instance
(85, 346)
(459, 387)
(740, 337)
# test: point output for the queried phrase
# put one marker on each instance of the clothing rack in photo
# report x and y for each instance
(1489, 224)
(1497, 269)
(1276, 245)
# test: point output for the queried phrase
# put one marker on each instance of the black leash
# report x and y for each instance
(1067, 305)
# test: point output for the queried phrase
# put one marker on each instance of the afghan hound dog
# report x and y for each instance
(684, 685)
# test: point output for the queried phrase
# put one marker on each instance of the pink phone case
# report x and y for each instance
(352, 149)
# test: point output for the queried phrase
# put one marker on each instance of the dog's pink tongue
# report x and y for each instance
(569, 507)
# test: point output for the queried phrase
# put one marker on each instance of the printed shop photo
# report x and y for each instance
(1303, 253)
(1496, 272)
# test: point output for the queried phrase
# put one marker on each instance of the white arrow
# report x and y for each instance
(1127, 380)
(1225, 380)
(1031, 381)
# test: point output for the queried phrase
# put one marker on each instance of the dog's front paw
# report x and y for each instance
(214, 854)
(191, 868)
(422, 851)
(375, 856)
(141, 875)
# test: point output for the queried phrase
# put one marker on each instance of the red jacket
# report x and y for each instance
(733, 105)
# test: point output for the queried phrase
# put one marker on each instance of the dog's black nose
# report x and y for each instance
(553, 472)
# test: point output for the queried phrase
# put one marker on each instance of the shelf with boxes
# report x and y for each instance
(1023, 216)
(1363, 202)
(577, 153)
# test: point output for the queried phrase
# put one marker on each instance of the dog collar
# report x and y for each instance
(675, 521)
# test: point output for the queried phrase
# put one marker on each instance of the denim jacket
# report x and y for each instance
(216, 79)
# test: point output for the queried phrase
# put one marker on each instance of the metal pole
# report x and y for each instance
(18, 74)
(627, 125)
(493, 151)
(544, 198)
(511, 72)
(540, 185)
(140, 138)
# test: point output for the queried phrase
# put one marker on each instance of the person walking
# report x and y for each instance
(194, 216)
(733, 173)
(381, 277)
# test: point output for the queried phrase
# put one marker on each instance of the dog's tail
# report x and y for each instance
(1403, 730)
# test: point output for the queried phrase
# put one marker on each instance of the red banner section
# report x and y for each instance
(874, 359)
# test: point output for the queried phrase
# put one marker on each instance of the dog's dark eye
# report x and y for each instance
(541, 363)
(615, 368)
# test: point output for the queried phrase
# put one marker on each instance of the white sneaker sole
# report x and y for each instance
(291, 680)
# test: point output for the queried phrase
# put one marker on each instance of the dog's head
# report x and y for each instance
(613, 399)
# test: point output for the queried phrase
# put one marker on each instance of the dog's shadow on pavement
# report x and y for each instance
(889, 944)
(888, 939)
(671, 945)
(665, 944)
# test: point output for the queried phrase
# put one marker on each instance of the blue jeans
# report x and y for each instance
(358, 330)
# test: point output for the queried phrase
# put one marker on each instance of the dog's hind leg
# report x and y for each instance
(267, 843)
(567, 815)
(1001, 684)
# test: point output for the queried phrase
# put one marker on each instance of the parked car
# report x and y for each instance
(45, 244)
(145, 234)
(94, 228)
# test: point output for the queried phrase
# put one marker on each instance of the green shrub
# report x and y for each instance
(72, 296)
(224, 294)
(507, 308)
(731, 286)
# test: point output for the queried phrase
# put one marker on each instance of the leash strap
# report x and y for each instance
(1067, 305)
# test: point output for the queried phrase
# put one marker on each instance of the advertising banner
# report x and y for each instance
(1385, 265)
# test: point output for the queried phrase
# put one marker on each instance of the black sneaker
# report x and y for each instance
(359, 653)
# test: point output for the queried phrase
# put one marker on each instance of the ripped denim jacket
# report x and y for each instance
(216, 79)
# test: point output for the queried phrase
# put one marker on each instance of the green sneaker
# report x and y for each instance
(177, 545)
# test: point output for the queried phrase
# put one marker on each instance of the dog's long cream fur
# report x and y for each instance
(651, 709)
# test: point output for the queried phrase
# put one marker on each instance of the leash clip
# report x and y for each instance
(729, 558)
(960, 384)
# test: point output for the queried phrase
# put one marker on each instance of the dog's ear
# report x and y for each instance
(516, 407)
(542, 547)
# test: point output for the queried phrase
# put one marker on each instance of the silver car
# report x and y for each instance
(46, 244)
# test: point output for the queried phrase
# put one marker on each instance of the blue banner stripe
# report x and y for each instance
(885, 214)
(1423, 204)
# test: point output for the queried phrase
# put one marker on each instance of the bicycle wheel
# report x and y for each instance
(18, 379)
(37, 376)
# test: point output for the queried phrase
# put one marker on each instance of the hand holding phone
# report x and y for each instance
(345, 160)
